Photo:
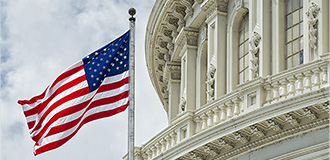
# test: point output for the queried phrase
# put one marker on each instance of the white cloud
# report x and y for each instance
(40, 39)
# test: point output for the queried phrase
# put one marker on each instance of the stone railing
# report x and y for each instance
(218, 112)
(295, 82)
(280, 87)
(160, 143)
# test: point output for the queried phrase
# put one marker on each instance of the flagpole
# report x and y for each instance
(131, 109)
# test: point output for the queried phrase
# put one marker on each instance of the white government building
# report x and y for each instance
(240, 79)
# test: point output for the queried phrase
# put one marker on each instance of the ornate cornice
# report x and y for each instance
(268, 132)
(187, 36)
(323, 123)
(213, 6)
(165, 23)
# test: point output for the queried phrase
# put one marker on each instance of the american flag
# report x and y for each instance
(95, 87)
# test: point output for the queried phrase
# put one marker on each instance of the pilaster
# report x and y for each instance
(187, 40)
(265, 43)
(278, 38)
(173, 75)
(216, 20)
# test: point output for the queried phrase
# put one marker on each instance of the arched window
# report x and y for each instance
(294, 33)
(243, 49)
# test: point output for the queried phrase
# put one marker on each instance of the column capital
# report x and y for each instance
(172, 72)
(214, 6)
(187, 37)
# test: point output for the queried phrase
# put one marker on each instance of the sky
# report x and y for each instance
(41, 38)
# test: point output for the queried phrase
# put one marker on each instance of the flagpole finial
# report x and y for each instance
(132, 12)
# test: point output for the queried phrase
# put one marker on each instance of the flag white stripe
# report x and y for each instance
(80, 100)
(64, 134)
(27, 107)
(115, 78)
(77, 64)
(107, 80)
(31, 118)
(49, 92)
(58, 97)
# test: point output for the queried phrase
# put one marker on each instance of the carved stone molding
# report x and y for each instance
(225, 144)
(196, 156)
(256, 131)
(241, 138)
(179, 12)
(310, 114)
(291, 119)
(254, 43)
(312, 12)
(272, 124)
(209, 150)
(322, 123)
(212, 6)
(189, 10)
(187, 36)
(172, 72)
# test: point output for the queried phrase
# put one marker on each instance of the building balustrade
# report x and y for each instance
(295, 82)
(277, 88)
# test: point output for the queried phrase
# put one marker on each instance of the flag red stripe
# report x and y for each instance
(58, 79)
(75, 108)
(31, 124)
(112, 86)
(62, 89)
(97, 103)
(66, 86)
(60, 142)
(58, 115)
(67, 74)
(34, 99)
(71, 96)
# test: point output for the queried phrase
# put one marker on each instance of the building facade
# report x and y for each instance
(240, 79)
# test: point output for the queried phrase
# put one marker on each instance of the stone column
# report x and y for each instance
(216, 21)
(264, 21)
(168, 142)
(187, 40)
(278, 36)
(198, 124)
(324, 27)
(216, 118)
(174, 138)
(173, 75)
(210, 118)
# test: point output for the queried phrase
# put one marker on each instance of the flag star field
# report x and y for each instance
(109, 60)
